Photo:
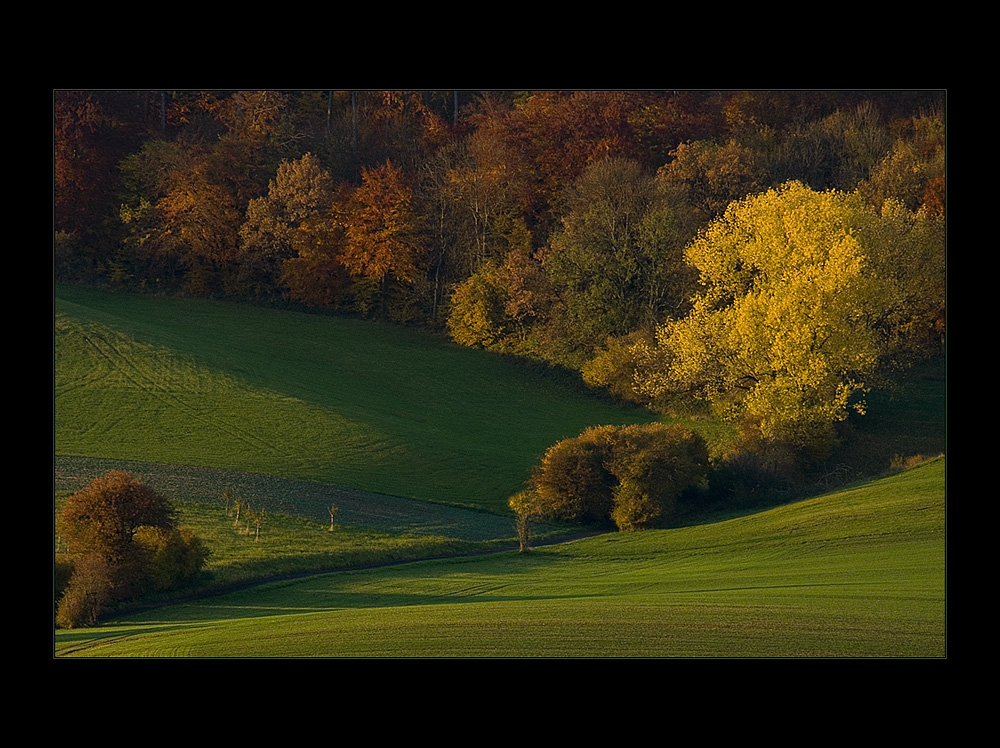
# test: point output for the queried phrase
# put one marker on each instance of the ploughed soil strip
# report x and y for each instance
(294, 497)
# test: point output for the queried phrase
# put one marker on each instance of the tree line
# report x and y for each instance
(762, 253)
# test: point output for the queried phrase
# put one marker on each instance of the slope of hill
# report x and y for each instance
(344, 402)
(856, 573)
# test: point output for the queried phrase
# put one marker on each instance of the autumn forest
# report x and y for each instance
(650, 240)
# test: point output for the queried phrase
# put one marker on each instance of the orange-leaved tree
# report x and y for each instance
(123, 539)
(381, 243)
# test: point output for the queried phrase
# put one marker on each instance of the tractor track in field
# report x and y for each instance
(127, 366)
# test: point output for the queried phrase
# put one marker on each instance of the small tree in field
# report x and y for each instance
(228, 497)
(527, 507)
(104, 516)
(255, 517)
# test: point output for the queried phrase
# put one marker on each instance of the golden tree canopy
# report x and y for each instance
(804, 295)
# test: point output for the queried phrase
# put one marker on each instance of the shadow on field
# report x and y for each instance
(337, 590)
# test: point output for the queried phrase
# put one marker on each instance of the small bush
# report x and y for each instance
(899, 463)
(573, 481)
(654, 465)
(172, 557)
(634, 507)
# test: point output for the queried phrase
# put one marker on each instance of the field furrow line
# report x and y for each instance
(146, 381)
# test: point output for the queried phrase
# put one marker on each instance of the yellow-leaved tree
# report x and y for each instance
(804, 297)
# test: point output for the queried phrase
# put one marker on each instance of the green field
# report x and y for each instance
(420, 442)
(343, 402)
(857, 573)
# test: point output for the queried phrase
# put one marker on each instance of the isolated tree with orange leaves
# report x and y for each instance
(123, 539)
(103, 517)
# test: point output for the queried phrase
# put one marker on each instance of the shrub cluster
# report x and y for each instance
(123, 540)
(632, 476)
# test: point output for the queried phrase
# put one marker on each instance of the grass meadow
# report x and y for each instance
(419, 443)
(343, 402)
(855, 573)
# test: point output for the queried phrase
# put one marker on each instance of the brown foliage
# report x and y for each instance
(631, 475)
(103, 517)
(315, 276)
(86, 595)
(380, 228)
(122, 537)
(574, 481)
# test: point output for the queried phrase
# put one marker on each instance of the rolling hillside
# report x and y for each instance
(308, 410)
(856, 573)
(342, 402)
